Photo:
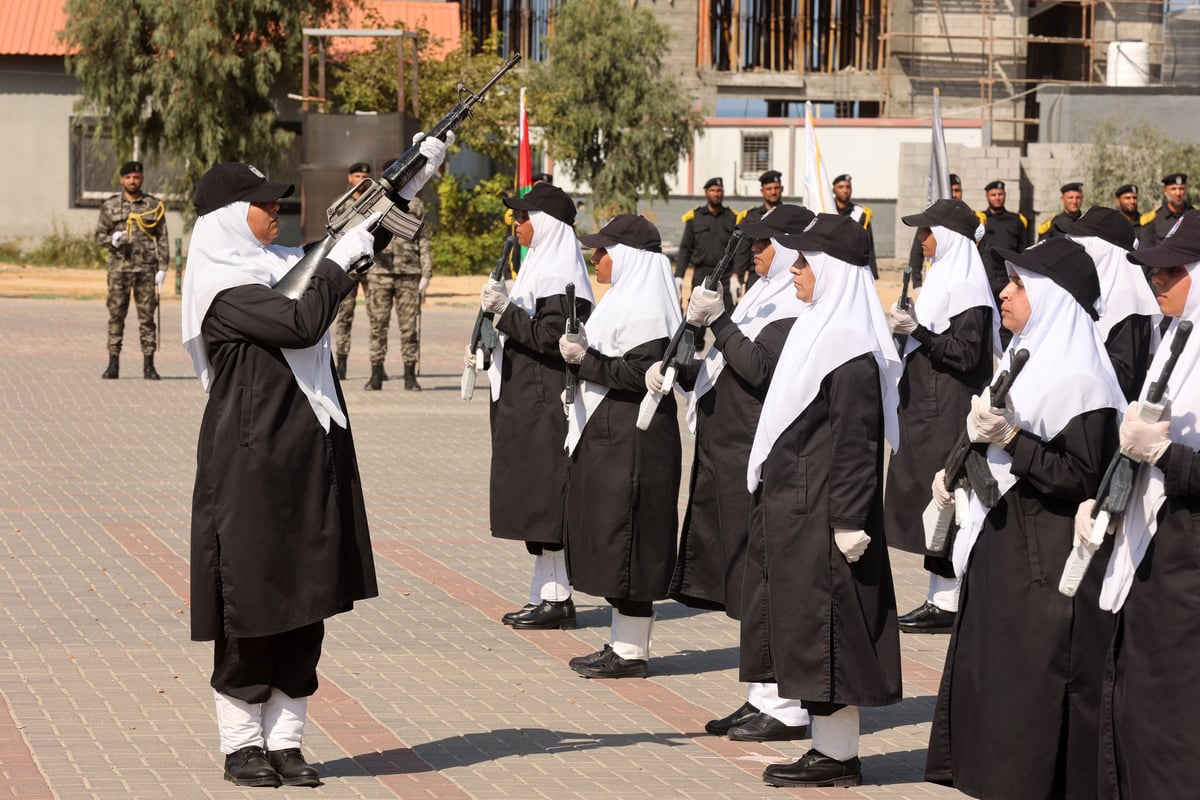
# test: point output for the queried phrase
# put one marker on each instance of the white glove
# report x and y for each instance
(654, 378)
(679, 286)
(1144, 441)
(355, 243)
(901, 321)
(704, 306)
(422, 287)
(117, 238)
(434, 151)
(735, 288)
(468, 356)
(494, 297)
(852, 543)
(943, 498)
(988, 424)
(159, 278)
(562, 398)
(573, 346)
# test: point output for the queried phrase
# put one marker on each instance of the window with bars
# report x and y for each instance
(522, 23)
(823, 36)
(756, 153)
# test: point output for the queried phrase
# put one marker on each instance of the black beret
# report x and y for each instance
(542, 177)
(545, 197)
(359, 166)
(131, 166)
(1070, 187)
(1181, 246)
(230, 182)
(1128, 188)
(711, 182)
(994, 185)
(837, 235)
(842, 177)
(770, 176)
(955, 180)
(1175, 179)
(627, 229)
(1105, 223)
(953, 214)
(1063, 261)
(782, 219)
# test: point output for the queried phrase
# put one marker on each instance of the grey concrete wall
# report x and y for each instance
(1070, 113)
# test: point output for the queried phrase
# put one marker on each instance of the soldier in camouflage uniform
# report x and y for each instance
(399, 277)
(133, 228)
(345, 315)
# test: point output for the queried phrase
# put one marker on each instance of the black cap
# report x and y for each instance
(545, 197)
(834, 234)
(359, 166)
(1181, 245)
(627, 229)
(770, 176)
(131, 166)
(994, 185)
(1063, 261)
(782, 219)
(1126, 188)
(1070, 187)
(1175, 179)
(953, 214)
(842, 177)
(955, 180)
(232, 181)
(1106, 223)
(714, 182)
(542, 177)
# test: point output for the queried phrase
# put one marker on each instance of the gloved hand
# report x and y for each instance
(852, 543)
(494, 297)
(943, 498)
(159, 278)
(679, 286)
(705, 306)
(468, 356)
(422, 287)
(654, 378)
(434, 151)
(988, 424)
(1144, 441)
(573, 346)
(117, 238)
(355, 243)
(735, 288)
(562, 398)
(901, 321)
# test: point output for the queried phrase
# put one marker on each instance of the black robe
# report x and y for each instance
(623, 494)
(529, 469)
(712, 545)
(935, 397)
(822, 628)
(279, 530)
(1128, 347)
(1149, 734)
(1017, 714)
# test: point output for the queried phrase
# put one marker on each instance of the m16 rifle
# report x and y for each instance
(903, 303)
(483, 334)
(571, 380)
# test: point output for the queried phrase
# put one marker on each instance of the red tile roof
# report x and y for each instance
(439, 18)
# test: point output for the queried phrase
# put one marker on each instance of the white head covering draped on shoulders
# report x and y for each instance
(1123, 288)
(957, 280)
(224, 253)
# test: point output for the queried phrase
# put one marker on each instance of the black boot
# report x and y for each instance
(410, 378)
(249, 767)
(148, 370)
(114, 368)
(341, 366)
(292, 768)
(376, 380)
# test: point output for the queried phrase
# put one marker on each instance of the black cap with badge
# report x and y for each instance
(770, 176)
(359, 166)
(1070, 187)
(954, 215)
(130, 167)
(627, 229)
(1175, 179)
(1181, 245)
(548, 198)
(1127, 188)
(711, 182)
(1063, 261)
(233, 181)
(1105, 223)
(994, 185)
(782, 219)
(834, 234)
(955, 180)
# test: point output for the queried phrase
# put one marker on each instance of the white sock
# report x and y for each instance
(943, 592)
(765, 697)
(239, 723)
(630, 636)
(283, 720)
(837, 735)
(555, 585)
(536, 581)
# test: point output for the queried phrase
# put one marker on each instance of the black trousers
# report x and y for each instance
(249, 668)
(632, 608)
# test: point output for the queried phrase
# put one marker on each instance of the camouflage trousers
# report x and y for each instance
(141, 286)
(345, 318)
(399, 291)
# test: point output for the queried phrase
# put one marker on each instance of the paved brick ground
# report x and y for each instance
(424, 694)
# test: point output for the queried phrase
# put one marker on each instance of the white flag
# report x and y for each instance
(939, 165)
(818, 191)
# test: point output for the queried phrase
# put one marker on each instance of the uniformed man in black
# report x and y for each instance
(1001, 228)
(1157, 224)
(1072, 201)
(706, 231)
(916, 258)
(771, 186)
(843, 189)
(1127, 204)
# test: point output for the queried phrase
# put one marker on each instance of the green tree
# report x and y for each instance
(472, 230)
(191, 78)
(1141, 155)
(610, 113)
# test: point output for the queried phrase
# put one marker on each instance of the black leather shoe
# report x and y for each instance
(927, 619)
(511, 617)
(720, 727)
(815, 769)
(590, 658)
(249, 767)
(765, 728)
(550, 614)
(607, 664)
(292, 768)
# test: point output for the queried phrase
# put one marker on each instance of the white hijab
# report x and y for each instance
(224, 253)
(1068, 374)
(640, 306)
(843, 321)
(1123, 288)
(553, 261)
(1140, 521)
(956, 281)
(771, 298)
